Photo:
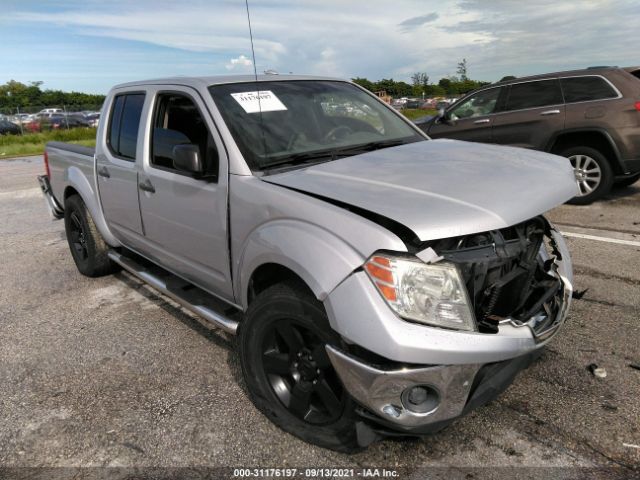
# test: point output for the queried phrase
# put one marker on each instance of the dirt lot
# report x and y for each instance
(104, 372)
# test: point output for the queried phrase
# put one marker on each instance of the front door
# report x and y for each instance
(471, 119)
(117, 168)
(185, 215)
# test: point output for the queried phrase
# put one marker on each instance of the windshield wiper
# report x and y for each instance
(334, 153)
(300, 158)
(368, 147)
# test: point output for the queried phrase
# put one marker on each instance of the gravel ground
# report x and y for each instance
(105, 372)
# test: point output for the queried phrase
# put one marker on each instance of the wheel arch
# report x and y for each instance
(293, 250)
(596, 138)
(78, 184)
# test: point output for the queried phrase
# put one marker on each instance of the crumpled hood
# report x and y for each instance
(442, 188)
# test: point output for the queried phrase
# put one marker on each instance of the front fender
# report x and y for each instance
(75, 178)
(316, 255)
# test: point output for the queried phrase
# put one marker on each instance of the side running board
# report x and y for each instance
(186, 294)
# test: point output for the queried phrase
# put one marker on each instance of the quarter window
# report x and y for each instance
(534, 94)
(583, 89)
(124, 124)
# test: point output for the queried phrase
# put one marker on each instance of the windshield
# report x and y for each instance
(306, 121)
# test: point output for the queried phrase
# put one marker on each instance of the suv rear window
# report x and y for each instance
(539, 93)
(124, 124)
(583, 89)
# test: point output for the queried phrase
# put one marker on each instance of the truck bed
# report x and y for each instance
(68, 160)
(72, 147)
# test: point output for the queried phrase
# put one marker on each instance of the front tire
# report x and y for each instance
(88, 248)
(593, 174)
(288, 372)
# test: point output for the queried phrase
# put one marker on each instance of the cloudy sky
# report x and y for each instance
(89, 45)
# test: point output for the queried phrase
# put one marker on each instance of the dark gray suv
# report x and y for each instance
(590, 116)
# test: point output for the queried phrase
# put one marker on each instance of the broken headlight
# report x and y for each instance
(433, 294)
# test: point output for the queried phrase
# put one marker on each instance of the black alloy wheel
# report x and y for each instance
(287, 371)
(77, 237)
(88, 248)
(296, 364)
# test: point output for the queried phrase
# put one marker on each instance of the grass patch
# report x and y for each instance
(33, 143)
(415, 113)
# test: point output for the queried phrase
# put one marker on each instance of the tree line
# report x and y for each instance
(422, 86)
(15, 94)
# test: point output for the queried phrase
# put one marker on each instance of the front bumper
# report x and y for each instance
(460, 389)
(447, 362)
(383, 391)
(54, 207)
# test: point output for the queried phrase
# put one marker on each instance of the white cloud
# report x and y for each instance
(364, 37)
(242, 62)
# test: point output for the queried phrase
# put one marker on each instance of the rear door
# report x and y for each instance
(534, 111)
(117, 166)
(471, 119)
(185, 216)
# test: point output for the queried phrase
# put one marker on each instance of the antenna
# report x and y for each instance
(253, 53)
(255, 75)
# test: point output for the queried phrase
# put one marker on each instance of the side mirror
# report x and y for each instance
(186, 157)
(445, 118)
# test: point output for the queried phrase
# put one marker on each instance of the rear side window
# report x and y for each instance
(583, 89)
(534, 94)
(124, 124)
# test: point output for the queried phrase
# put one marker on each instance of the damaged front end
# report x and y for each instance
(519, 275)
(414, 376)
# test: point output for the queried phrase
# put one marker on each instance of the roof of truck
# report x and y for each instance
(220, 79)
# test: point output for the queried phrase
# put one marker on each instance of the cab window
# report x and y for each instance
(124, 124)
(177, 121)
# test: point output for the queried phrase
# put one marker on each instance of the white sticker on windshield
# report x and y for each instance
(266, 101)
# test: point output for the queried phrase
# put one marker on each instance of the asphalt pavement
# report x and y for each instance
(106, 372)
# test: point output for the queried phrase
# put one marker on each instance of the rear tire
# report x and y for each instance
(88, 248)
(592, 172)
(287, 371)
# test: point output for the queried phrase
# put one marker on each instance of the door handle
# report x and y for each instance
(484, 120)
(104, 172)
(550, 112)
(147, 186)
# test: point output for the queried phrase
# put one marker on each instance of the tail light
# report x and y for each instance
(46, 164)
(638, 106)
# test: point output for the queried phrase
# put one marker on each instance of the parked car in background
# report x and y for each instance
(9, 128)
(590, 116)
(57, 121)
(48, 111)
(93, 119)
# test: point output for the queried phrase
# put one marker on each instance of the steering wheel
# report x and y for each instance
(333, 133)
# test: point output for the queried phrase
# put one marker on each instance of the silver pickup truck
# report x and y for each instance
(380, 283)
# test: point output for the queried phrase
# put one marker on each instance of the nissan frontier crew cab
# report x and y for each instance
(380, 283)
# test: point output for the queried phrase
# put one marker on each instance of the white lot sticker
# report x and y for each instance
(252, 102)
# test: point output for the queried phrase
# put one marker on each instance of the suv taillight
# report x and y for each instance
(638, 106)
(46, 164)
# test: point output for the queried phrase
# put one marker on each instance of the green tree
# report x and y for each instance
(462, 70)
(365, 83)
